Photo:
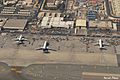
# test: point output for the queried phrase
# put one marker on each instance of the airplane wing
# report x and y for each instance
(103, 48)
(39, 48)
(15, 39)
(18, 42)
(24, 39)
(96, 44)
(52, 49)
(105, 44)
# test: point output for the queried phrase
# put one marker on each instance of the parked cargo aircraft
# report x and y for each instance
(101, 44)
(20, 39)
(45, 47)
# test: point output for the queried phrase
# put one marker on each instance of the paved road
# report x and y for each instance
(64, 71)
(56, 71)
(27, 57)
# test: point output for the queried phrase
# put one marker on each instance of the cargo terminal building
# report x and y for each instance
(14, 25)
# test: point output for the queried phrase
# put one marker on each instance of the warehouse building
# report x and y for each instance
(55, 20)
(81, 23)
(104, 25)
(81, 27)
(15, 25)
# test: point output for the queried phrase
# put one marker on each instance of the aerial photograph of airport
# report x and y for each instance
(59, 39)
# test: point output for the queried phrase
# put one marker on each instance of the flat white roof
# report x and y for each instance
(56, 22)
(81, 22)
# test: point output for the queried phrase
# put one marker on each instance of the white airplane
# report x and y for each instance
(101, 44)
(20, 39)
(45, 47)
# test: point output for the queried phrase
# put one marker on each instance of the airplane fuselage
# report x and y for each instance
(20, 38)
(101, 43)
(45, 46)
